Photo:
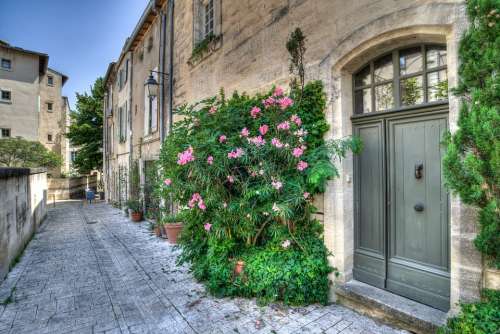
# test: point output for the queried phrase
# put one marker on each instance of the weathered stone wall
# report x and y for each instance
(23, 198)
(70, 187)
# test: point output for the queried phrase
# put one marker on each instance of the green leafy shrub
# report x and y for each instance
(244, 172)
(478, 318)
(472, 160)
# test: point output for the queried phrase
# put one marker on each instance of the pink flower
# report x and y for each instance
(222, 139)
(213, 110)
(263, 129)
(186, 156)
(302, 165)
(210, 160)
(297, 152)
(270, 101)
(296, 119)
(255, 112)
(284, 126)
(277, 185)
(202, 205)
(196, 198)
(285, 102)
(286, 244)
(278, 91)
(276, 143)
(245, 132)
(167, 182)
(300, 133)
(306, 195)
(236, 153)
(207, 227)
(230, 178)
(257, 141)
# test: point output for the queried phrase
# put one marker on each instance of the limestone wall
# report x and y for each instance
(70, 187)
(23, 197)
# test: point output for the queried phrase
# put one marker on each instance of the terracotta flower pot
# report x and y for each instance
(238, 268)
(136, 216)
(173, 231)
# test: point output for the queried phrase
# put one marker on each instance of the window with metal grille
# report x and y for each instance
(209, 18)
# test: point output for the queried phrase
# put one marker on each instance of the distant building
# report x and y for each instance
(31, 101)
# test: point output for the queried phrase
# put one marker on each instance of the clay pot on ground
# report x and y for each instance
(136, 216)
(239, 267)
(173, 230)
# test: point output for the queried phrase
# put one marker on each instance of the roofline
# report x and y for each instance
(109, 71)
(43, 57)
(64, 76)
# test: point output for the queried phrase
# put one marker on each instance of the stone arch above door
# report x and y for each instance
(337, 70)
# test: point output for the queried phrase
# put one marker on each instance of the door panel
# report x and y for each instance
(369, 254)
(401, 208)
(418, 216)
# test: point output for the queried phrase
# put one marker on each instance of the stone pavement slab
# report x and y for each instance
(114, 276)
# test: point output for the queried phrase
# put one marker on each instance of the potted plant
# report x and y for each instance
(173, 227)
(135, 208)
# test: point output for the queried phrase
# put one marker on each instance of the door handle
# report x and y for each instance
(419, 168)
(419, 207)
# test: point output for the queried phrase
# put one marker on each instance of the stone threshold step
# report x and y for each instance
(390, 308)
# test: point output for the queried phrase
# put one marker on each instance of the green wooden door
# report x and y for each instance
(401, 220)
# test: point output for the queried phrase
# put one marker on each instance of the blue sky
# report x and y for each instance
(80, 37)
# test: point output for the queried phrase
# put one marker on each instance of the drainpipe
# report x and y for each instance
(171, 66)
(161, 58)
(130, 113)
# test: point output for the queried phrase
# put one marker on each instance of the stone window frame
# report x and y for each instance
(50, 106)
(50, 138)
(50, 80)
(199, 20)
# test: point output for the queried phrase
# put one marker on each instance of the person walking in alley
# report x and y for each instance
(90, 195)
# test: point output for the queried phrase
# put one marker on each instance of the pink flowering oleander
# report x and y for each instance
(285, 102)
(276, 143)
(196, 199)
(255, 112)
(222, 138)
(245, 132)
(296, 119)
(302, 165)
(278, 91)
(210, 160)
(257, 141)
(230, 178)
(207, 227)
(263, 129)
(270, 101)
(306, 195)
(284, 126)
(235, 153)
(202, 205)
(213, 110)
(167, 182)
(277, 185)
(300, 133)
(186, 156)
(297, 152)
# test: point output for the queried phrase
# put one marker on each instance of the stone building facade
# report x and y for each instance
(360, 50)
(31, 104)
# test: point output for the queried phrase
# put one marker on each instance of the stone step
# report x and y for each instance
(390, 308)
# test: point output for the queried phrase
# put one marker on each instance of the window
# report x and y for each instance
(50, 106)
(5, 133)
(50, 80)
(6, 96)
(209, 18)
(403, 78)
(49, 138)
(122, 120)
(73, 156)
(6, 64)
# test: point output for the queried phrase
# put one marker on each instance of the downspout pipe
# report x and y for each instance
(130, 121)
(171, 67)
(163, 36)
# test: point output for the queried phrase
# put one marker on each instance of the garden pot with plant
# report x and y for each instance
(173, 230)
(135, 208)
(239, 267)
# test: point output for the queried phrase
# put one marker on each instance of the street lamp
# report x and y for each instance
(151, 86)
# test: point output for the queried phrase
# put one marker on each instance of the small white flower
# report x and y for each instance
(261, 172)
(286, 244)
(276, 208)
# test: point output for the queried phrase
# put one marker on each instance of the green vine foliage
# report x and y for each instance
(203, 46)
(244, 172)
(472, 160)
(482, 317)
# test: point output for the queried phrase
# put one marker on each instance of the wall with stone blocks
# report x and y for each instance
(70, 188)
(23, 197)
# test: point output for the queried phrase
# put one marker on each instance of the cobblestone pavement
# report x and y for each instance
(113, 276)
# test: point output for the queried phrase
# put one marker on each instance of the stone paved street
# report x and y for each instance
(114, 276)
